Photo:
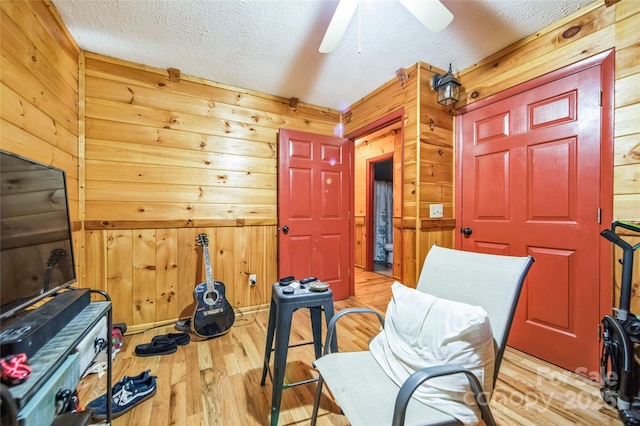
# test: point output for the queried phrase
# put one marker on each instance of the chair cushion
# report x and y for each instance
(421, 331)
(367, 395)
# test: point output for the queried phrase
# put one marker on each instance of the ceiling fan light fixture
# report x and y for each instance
(448, 88)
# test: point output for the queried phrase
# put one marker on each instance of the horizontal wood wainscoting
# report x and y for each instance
(150, 273)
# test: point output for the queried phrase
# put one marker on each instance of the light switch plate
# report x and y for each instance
(435, 211)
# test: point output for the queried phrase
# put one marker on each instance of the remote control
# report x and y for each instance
(286, 280)
(287, 290)
(308, 280)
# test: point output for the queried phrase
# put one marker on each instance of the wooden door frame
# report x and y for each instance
(369, 201)
(606, 60)
(395, 116)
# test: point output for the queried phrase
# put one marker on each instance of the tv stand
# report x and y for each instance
(56, 366)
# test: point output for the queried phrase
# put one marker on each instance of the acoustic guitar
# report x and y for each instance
(213, 315)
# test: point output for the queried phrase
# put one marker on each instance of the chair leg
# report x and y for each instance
(316, 401)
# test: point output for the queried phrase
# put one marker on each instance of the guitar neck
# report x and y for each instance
(207, 269)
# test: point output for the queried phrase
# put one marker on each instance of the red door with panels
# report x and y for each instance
(314, 209)
(531, 185)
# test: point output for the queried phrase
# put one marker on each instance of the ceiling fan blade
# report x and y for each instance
(338, 25)
(433, 14)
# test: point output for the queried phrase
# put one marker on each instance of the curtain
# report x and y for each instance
(382, 218)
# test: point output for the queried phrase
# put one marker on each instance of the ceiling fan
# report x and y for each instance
(433, 15)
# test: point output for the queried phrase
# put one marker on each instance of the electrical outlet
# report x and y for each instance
(252, 280)
(435, 210)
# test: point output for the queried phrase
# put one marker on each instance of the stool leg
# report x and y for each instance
(269, 344)
(316, 329)
(328, 314)
(283, 328)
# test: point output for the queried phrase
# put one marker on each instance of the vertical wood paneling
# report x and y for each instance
(186, 271)
(224, 242)
(144, 276)
(120, 274)
(409, 276)
(360, 242)
(398, 254)
(151, 273)
(244, 239)
(95, 249)
(166, 269)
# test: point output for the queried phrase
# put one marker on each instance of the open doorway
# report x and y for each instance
(378, 156)
(380, 210)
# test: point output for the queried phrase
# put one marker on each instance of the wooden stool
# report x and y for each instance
(280, 315)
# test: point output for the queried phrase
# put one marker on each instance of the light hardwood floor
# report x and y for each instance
(217, 381)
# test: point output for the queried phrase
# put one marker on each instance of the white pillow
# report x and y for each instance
(422, 330)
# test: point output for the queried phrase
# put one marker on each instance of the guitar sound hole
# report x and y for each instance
(211, 298)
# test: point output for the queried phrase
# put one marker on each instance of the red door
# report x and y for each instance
(531, 184)
(314, 209)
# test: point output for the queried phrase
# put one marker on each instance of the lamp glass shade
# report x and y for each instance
(447, 87)
(448, 92)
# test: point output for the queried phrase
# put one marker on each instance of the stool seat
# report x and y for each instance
(280, 315)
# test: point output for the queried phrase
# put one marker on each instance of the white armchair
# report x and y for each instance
(438, 356)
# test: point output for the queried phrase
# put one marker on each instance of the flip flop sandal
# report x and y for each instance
(181, 339)
(159, 347)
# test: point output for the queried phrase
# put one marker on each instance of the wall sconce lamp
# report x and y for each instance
(448, 88)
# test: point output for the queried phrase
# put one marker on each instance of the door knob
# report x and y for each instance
(285, 230)
(466, 231)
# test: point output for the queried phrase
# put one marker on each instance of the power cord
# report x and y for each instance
(255, 315)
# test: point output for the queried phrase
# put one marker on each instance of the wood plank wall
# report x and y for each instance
(168, 159)
(39, 95)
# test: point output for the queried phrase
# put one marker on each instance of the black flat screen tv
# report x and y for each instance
(36, 252)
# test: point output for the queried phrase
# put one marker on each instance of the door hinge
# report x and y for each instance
(599, 215)
(600, 101)
(599, 331)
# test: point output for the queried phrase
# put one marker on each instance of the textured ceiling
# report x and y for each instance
(271, 46)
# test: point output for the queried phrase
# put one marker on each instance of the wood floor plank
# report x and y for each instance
(217, 381)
